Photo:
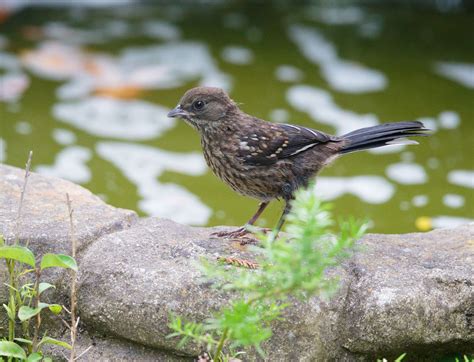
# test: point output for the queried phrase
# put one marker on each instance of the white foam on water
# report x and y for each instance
(160, 29)
(330, 188)
(320, 106)
(237, 55)
(13, 83)
(419, 200)
(64, 136)
(12, 86)
(407, 173)
(279, 115)
(59, 31)
(3, 150)
(123, 119)
(463, 178)
(342, 75)
(23, 127)
(70, 164)
(55, 61)
(453, 201)
(352, 77)
(288, 73)
(105, 72)
(461, 73)
(143, 165)
(449, 119)
(441, 222)
(184, 61)
(337, 15)
(162, 66)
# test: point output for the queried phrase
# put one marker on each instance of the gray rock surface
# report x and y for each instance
(409, 293)
(44, 218)
(44, 222)
(400, 293)
(130, 281)
(108, 348)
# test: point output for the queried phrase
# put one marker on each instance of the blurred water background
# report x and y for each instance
(87, 85)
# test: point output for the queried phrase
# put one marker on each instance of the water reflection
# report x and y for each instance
(407, 173)
(143, 165)
(342, 75)
(462, 73)
(74, 82)
(321, 107)
(70, 164)
(114, 118)
(330, 188)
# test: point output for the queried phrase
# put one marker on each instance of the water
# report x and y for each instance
(88, 90)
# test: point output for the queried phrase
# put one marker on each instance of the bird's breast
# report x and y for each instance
(223, 159)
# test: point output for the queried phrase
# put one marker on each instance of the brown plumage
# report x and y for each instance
(264, 160)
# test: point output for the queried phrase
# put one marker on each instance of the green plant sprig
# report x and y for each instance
(293, 265)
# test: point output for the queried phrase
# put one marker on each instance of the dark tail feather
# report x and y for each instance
(384, 134)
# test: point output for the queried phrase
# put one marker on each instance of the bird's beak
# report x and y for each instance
(177, 112)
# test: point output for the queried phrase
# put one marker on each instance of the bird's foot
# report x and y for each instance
(242, 235)
(234, 234)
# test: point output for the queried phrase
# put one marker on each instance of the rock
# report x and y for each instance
(408, 293)
(44, 217)
(399, 293)
(44, 222)
(107, 348)
(132, 280)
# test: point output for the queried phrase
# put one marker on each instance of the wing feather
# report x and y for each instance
(275, 142)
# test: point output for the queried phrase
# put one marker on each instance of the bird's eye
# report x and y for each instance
(198, 105)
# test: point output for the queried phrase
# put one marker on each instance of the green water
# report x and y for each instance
(402, 44)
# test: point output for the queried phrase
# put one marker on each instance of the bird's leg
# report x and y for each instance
(242, 231)
(286, 211)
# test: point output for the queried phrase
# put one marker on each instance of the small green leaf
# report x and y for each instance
(10, 313)
(22, 340)
(400, 357)
(44, 286)
(47, 359)
(55, 308)
(34, 357)
(18, 253)
(58, 260)
(11, 349)
(25, 312)
(49, 340)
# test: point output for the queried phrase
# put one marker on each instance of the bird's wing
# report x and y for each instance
(267, 145)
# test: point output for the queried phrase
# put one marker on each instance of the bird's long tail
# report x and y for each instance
(383, 134)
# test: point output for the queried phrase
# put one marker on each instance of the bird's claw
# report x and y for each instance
(240, 235)
(234, 234)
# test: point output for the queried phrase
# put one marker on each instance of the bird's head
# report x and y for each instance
(203, 106)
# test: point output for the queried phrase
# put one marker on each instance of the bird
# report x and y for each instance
(268, 161)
